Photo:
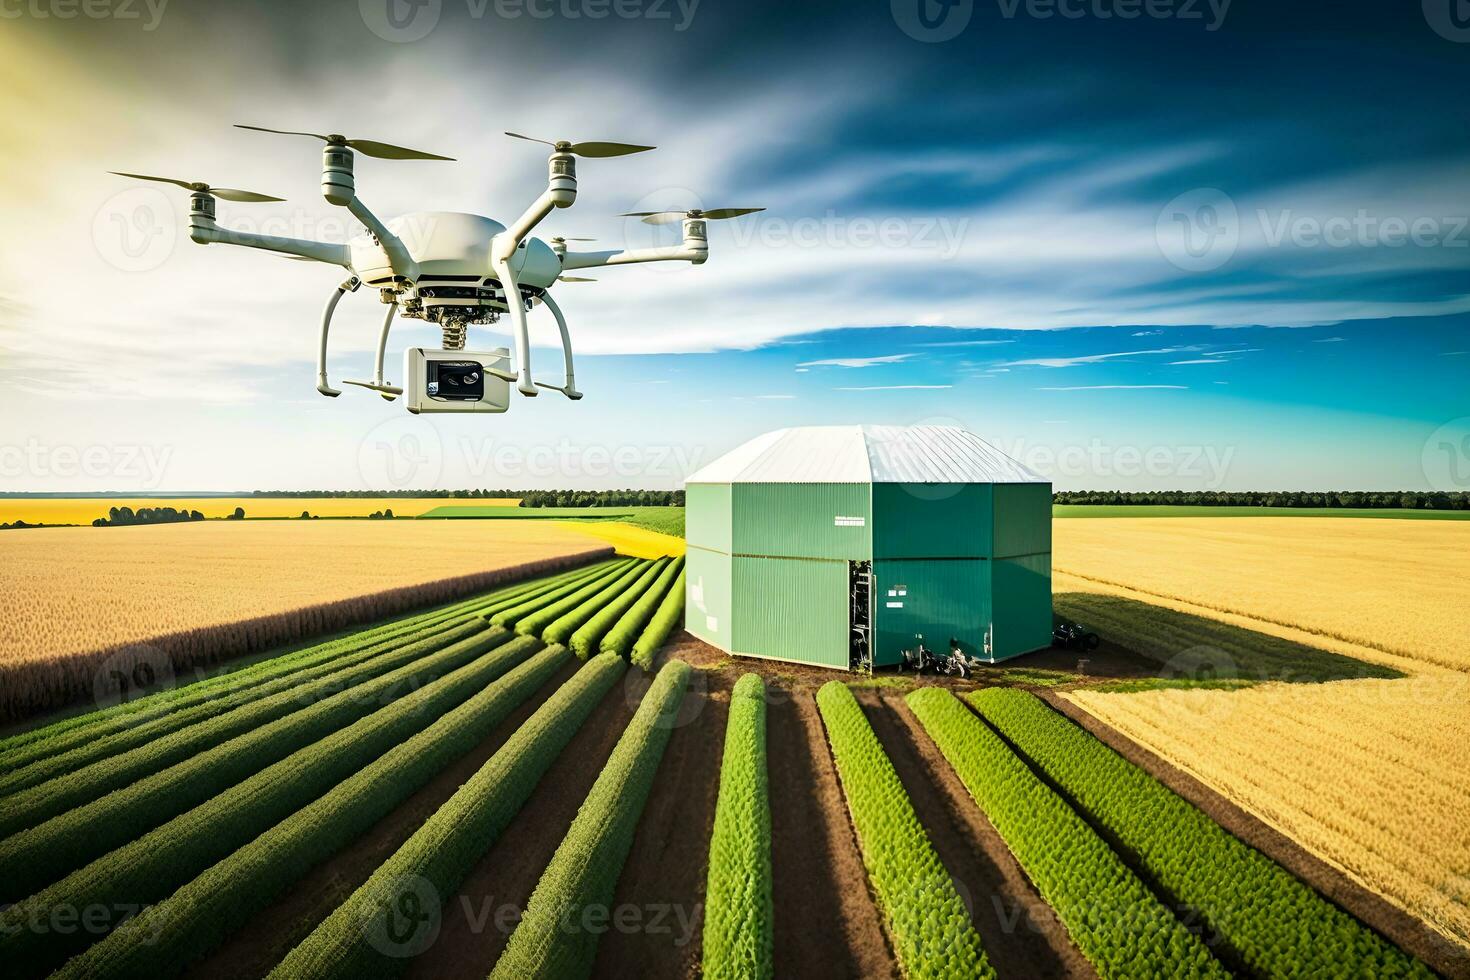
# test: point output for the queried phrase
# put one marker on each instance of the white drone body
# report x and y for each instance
(451, 269)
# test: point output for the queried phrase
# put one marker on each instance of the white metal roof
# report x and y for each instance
(866, 454)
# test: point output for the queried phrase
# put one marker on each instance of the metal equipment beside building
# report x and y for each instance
(844, 546)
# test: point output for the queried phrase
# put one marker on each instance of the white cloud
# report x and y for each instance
(966, 343)
(856, 362)
(1059, 362)
(1200, 360)
(1111, 387)
(895, 388)
(775, 396)
(1330, 340)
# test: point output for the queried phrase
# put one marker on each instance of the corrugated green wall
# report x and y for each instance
(791, 609)
(931, 520)
(942, 598)
(801, 520)
(1022, 519)
(707, 516)
(1022, 589)
(768, 572)
(708, 596)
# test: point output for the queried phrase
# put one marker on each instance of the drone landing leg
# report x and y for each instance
(569, 388)
(349, 285)
(516, 307)
(389, 392)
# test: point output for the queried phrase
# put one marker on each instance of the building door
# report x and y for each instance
(860, 617)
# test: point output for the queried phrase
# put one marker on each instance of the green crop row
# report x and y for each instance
(626, 631)
(927, 921)
(670, 614)
(432, 864)
(26, 748)
(181, 734)
(554, 938)
(44, 853)
(37, 804)
(738, 918)
(560, 628)
(590, 598)
(1117, 923)
(585, 640)
(196, 918)
(1265, 917)
(513, 614)
(153, 864)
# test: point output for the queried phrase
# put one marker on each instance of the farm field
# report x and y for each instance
(1361, 770)
(84, 510)
(171, 597)
(1397, 587)
(439, 795)
(665, 520)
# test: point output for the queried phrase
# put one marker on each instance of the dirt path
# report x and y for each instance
(663, 881)
(261, 943)
(478, 921)
(1375, 911)
(826, 923)
(1020, 934)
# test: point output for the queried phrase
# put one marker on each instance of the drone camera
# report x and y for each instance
(443, 381)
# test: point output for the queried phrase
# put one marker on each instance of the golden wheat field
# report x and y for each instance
(204, 591)
(84, 510)
(1367, 773)
(1396, 586)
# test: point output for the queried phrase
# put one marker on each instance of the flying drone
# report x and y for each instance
(451, 269)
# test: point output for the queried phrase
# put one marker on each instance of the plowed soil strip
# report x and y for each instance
(267, 937)
(1372, 909)
(478, 921)
(1021, 935)
(826, 923)
(660, 896)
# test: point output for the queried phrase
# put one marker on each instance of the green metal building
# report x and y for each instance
(843, 546)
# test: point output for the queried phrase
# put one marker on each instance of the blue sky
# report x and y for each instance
(1225, 247)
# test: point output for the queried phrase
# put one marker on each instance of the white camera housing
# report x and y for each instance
(460, 381)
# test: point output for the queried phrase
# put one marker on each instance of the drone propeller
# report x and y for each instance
(199, 187)
(384, 151)
(573, 279)
(593, 149)
(669, 217)
(559, 240)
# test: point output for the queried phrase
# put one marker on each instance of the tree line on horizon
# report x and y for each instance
(1372, 499)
